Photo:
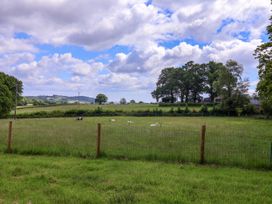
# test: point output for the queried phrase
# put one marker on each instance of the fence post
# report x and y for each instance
(202, 144)
(9, 137)
(271, 153)
(98, 140)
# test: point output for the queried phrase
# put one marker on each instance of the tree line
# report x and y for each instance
(221, 82)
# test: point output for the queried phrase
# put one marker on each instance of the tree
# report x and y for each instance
(187, 82)
(231, 88)
(156, 94)
(6, 102)
(212, 70)
(197, 73)
(181, 79)
(123, 101)
(264, 88)
(132, 101)
(167, 84)
(101, 98)
(10, 90)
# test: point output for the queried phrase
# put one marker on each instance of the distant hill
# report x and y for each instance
(61, 99)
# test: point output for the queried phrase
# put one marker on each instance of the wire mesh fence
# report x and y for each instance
(60, 137)
(224, 145)
(240, 147)
(150, 142)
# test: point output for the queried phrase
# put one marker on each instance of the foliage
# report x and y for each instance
(215, 79)
(264, 88)
(101, 98)
(6, 102)
(212, 72)
(123, 101)
(10, 91)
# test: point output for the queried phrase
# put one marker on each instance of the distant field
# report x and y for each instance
(229, 141)
(40, 179)
(112, 107)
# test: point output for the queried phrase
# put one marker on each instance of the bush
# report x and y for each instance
(249, 109)
(179, 104)
(186, 109)
(204, 109)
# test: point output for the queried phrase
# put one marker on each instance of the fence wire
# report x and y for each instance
(224, 144)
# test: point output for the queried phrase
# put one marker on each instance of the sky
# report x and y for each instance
(119, 47)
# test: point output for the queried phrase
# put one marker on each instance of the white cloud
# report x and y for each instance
(226, 29)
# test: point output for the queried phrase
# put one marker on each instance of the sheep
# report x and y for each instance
(155, 124)
(130, 122)
(112, 120)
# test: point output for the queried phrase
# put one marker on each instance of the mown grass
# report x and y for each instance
(229, 141)
(41, 179)
(110, 107)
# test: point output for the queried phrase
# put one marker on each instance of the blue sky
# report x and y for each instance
(120, 47)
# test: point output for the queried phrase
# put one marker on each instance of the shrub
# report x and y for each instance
(204, 109)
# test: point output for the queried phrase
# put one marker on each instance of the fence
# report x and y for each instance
(205, 144)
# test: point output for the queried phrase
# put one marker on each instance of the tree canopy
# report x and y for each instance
(191, 81)
(101, 98)
(123, 101)
(264, 88)
(9, 85)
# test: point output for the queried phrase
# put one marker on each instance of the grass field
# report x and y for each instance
(41, 179)
(229, 141)
(111, 107)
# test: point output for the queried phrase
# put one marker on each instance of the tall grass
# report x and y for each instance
(229, 141)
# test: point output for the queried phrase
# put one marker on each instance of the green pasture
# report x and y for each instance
(42, 179)
(229, 141)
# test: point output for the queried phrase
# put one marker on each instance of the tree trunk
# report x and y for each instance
(172, 96)
(187, 96)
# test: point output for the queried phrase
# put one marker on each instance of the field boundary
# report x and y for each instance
(176, 145)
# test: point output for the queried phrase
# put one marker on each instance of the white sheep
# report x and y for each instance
(113, 120)
(154, 124)
(130, 122)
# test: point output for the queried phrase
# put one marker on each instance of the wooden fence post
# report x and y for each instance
(271, 153)
(202, 144)
(98, 140)
(9, 137)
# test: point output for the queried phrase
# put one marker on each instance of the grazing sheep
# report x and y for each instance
(112, 120)
(79, 118)
(154, 125)
(130, 122)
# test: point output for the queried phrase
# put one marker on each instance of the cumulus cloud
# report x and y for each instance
(202, 30)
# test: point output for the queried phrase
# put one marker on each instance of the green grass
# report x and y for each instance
(111, 107)
(229, 141)
(40, 179)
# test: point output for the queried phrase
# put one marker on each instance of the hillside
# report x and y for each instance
(62, 99)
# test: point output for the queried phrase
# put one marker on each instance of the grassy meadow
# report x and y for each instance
(110, 107)
(42, 179)
(236, 141)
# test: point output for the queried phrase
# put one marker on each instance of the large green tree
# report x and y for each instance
(10, 91)
(197, 73)
(264, 88)
(101, 98)
(212, 70)
(167, 84)
(231, 88)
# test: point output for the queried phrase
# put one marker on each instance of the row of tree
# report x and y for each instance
(191, 81)
(102, 99)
